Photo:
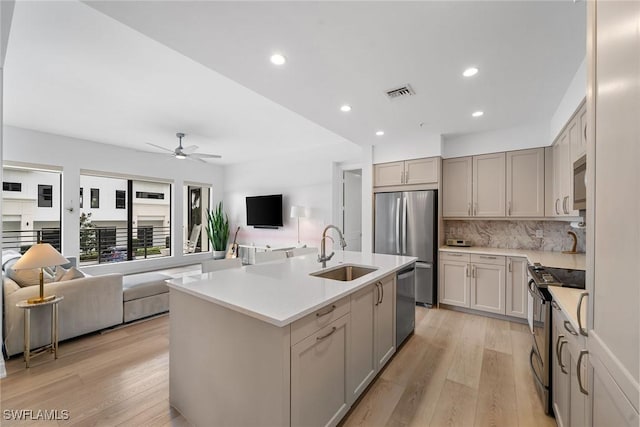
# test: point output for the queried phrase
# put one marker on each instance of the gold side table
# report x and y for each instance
(50, 348)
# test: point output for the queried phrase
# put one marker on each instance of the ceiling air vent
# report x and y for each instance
(400, 92)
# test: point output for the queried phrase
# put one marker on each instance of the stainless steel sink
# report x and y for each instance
(345, 272)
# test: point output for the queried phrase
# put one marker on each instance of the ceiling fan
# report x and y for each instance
(181, 152)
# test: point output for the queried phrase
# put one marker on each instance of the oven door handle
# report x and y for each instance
(535, 293)
(535, 373)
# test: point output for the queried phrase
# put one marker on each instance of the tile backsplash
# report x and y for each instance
(516, 234)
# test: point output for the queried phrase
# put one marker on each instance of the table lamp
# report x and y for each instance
(40, 255)
(298, 212)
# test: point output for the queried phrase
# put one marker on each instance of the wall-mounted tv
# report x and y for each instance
(264, 211)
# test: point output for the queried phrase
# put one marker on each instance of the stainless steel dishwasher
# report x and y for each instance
(405, 303)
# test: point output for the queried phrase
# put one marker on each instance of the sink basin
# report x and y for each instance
(345, 272)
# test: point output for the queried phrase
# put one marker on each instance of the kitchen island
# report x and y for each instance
(271, 344)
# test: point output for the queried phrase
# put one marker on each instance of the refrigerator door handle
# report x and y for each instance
(404, 226)
(398, 225)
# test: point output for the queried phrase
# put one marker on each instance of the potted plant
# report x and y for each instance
(218, 231)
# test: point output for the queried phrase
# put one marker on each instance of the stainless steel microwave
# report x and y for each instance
(580, 183)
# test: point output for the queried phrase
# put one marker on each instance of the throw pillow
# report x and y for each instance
(72, 273)
(59, 273)
(26, 278)
(9, 255)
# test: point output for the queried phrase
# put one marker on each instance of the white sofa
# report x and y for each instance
(90, 303)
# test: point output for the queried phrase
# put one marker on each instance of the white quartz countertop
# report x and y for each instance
(567, 299)
(546, 258)
(281, 292)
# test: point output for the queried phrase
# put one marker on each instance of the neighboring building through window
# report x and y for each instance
(11, 186)
(149, 195)
(95, 198)
(121, 199)
(45, 196)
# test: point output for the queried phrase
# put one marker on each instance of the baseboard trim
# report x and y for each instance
(135, 322)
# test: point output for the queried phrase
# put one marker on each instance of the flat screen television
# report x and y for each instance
(264, 211)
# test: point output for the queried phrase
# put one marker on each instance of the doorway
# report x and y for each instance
(352, 208)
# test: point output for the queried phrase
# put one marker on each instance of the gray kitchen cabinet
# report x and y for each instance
(489, 185)
(457, 187)
(454, 279)
(516, 290)
(488, 283)
(319, 363)
(406, 172)
(525, 183)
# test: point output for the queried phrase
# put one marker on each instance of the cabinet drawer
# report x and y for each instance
(488, 259)
(454, 256)
(300, 329)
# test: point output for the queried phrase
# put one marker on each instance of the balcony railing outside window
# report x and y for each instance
(109, 244)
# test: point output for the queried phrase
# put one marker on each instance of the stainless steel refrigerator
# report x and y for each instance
(406, 223)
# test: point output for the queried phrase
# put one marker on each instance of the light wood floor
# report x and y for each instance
(456, 370)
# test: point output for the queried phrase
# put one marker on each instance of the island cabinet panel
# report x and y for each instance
(319, 363)
(362, 362)
(385, 321)
(227, 368)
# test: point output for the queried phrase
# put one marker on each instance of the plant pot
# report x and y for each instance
(219, 254)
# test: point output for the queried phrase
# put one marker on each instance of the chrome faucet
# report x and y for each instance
(323, 257)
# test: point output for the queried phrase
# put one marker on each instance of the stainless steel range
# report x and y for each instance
(540, 321)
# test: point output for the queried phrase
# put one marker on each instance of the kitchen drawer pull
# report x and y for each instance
(558, 347)
(333, 330)
(456, 254)
(555, 305)
(381, 292)
(321, 314)
(569, 328)
(487, 257)
(579, 372)
(562, 343)
(556, 206)
(564, 204)
(582, 330)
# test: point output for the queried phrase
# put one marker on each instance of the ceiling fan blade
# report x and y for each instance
(160, 147)
(190, 149)
(206, 156)
(198, 159)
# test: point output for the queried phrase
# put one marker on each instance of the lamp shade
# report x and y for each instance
(38, 256)
(298, 212)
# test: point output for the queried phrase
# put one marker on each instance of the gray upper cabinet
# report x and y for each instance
(457, 187)
(489, 185)
(525, 183)
(407, 172)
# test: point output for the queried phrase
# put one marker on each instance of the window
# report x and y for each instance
(196, 202)
(11, 186)
(121, 199)
(95, 198)
(124, 228)
(45, 196)
(81, 198)
(149, 195)
(31, 208)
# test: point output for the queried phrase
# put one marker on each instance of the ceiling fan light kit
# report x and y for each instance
(182, 153)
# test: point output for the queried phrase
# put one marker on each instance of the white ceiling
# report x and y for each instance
(74, 71)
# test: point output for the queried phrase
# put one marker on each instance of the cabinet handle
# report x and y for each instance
(381, 292)
(510, 268)
(327, 335)
(475, 209)
(456, 254)
(564, 204)
(578, 366)
(401, 177)
(320, 314)
(562, 343)
(466, 270)
(377, 294)
(580, 328)
(473, 271)
(509, 209)
(487, 257)
(585, 133)
(406, 177)
(569, 328)
(557, 212)
(469, 209)
(555, 305)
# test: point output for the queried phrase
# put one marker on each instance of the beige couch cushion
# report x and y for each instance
(143, 285)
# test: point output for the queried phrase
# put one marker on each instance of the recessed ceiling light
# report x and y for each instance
(380, 133)
(477, 114)
(278, 59)
(470, 72)
(345, 108)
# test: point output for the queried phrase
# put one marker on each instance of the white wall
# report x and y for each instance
(389, 151)
(573, 96)
(72, 155)
(304, 179)
(517, 138)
